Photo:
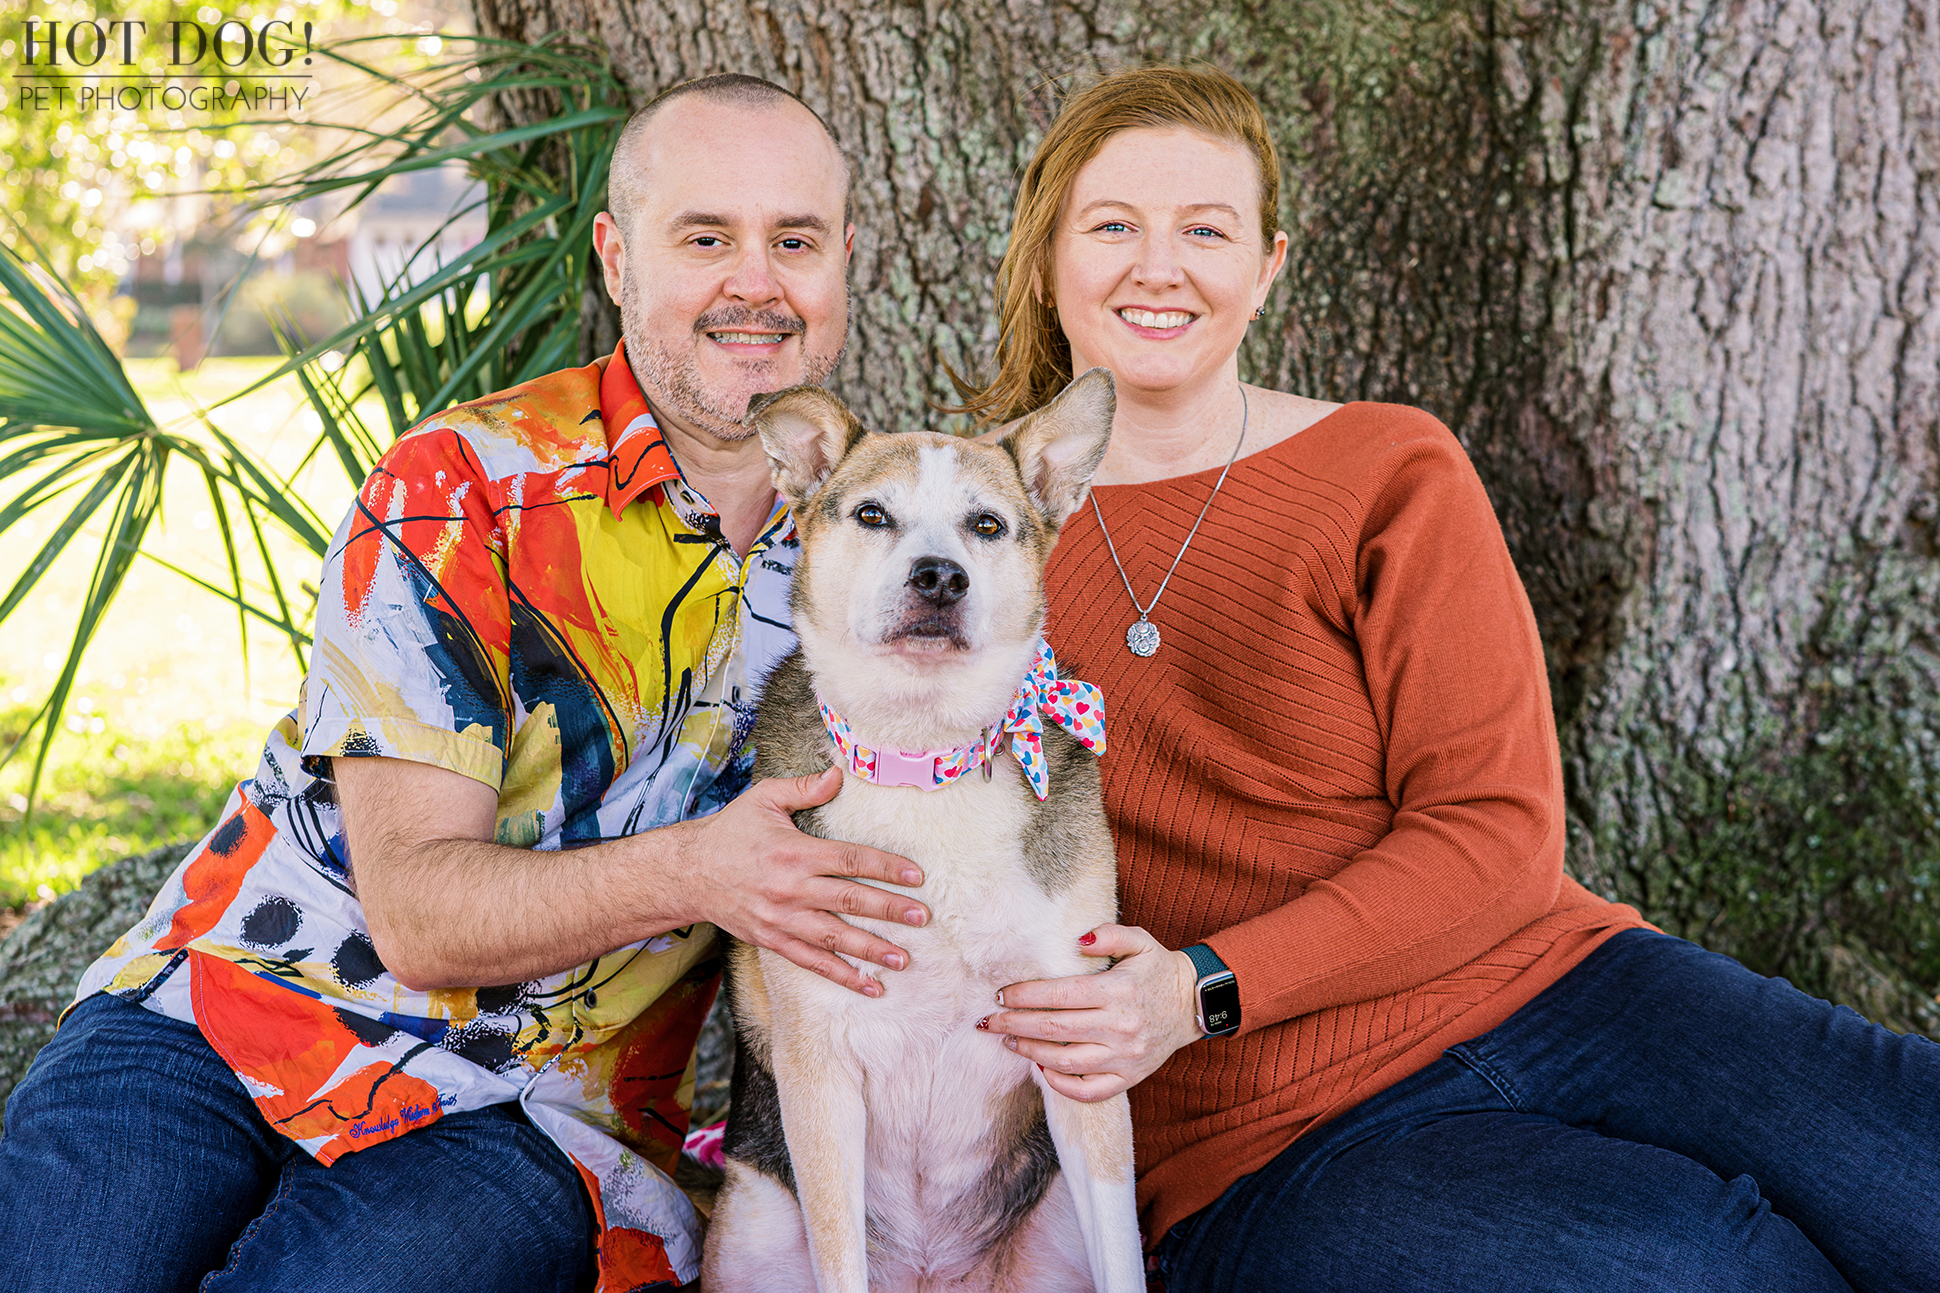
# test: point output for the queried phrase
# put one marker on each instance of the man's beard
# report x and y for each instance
(674, 374)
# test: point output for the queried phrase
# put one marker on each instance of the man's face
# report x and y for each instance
(731, 278)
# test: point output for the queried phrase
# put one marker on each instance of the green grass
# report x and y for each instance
(164, 719)
(108, 794)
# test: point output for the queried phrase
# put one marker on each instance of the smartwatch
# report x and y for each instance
(1217, 1006)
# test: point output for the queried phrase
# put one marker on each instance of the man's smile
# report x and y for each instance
(748, 340)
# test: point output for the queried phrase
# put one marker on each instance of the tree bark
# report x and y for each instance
(1668, 269)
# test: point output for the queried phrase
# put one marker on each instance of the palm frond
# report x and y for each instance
(71, 422)
(500, 313)
(289, 623)
(545, 182)
(135, 506)
(55, 370)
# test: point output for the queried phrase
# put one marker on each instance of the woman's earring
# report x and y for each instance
(1260, 313)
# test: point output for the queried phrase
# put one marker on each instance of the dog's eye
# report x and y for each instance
(871, 515)
(987, 525)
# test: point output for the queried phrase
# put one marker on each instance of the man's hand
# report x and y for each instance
(448, 907)
(769, 884)
(1095, 1035)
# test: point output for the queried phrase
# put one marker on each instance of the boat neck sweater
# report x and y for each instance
(1339, 771)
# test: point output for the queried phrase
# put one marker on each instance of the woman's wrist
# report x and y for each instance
(1187, 1014)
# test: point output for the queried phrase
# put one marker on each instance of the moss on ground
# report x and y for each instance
(107, 794)
(1813, 850)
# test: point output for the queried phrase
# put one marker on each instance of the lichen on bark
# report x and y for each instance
(42, 959)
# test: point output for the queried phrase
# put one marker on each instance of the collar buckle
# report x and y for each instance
(899, 768)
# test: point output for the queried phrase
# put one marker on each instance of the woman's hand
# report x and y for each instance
(1098, 1034)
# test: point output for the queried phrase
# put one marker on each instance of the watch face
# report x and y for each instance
(1219, 1005)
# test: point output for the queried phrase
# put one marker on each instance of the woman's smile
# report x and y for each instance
(1156, 325)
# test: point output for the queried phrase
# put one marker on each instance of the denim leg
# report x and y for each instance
(134, 1160)
(132, 1157)
(479, 1201)
(1436, 1186)
(1655, 1040)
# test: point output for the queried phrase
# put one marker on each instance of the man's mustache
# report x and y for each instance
(751, 320)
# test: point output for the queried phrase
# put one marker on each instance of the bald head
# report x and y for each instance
(627, 185)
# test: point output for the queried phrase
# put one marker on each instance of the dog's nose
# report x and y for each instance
(939, 580)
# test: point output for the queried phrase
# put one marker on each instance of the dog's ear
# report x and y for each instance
(1058, 447)
(806, 431)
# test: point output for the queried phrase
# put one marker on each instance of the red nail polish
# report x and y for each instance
(983, 1025)
(1086, 940)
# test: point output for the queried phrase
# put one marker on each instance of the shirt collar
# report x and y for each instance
(636, 450)
(641, 460)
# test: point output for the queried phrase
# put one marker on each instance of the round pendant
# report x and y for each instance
(1143, 638)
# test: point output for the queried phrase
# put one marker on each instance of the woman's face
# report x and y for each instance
(1158, 260)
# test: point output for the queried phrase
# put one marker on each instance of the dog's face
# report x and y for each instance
(923, 555)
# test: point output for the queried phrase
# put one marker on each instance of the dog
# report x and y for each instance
(886, 1143)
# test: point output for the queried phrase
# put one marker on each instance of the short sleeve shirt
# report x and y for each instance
(526, 592)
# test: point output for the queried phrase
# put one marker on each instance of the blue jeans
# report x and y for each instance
(1661, 1118)
(133, 1159)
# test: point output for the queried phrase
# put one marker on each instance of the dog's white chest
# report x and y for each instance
(992, 921)
(939, 1091)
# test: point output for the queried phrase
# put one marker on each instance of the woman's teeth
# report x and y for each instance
(1147, 319)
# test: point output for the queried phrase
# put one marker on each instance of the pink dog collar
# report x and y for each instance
(1078, 707)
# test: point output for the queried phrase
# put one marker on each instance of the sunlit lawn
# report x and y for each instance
(110, 794)
(164, 719)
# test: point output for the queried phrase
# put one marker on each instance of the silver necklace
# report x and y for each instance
(1142, 638)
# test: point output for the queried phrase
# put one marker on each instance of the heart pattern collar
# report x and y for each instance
(1075, 705)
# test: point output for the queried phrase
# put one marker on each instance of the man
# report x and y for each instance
(424, 1005)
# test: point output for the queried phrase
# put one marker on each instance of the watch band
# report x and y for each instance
(1205, 961)
(1216, 1008)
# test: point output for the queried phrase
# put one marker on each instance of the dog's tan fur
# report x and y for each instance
(911, 1151)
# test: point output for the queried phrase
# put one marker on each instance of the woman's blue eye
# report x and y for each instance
(1113, 226)
(1207, 229)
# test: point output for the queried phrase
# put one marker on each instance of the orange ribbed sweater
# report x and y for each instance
(1340, 771)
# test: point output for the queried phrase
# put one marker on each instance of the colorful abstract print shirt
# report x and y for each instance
(526, 593)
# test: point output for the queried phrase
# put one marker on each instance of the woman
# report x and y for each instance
(1334, 773)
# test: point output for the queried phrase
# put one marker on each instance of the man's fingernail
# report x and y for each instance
(1000, 996)
(1011, 1042)
(983, 1025)
(912, 876)
(914, 916)
(1086, 940)
(894, 960)
(872, 988)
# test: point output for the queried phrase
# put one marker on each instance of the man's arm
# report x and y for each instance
(450, 908)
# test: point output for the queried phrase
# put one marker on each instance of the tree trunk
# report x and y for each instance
(1671, 270)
